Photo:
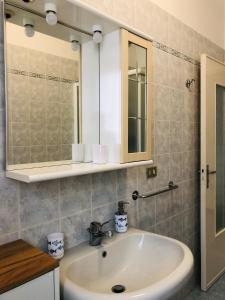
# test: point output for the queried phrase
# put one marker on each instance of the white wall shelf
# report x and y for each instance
(62, 171)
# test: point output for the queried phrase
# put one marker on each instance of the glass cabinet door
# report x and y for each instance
(136, 68)
(137, 92)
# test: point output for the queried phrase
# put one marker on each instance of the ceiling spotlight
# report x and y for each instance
(51, 10)
(97, 33)
(28, 27)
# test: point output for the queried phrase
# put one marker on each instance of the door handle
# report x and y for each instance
(208, 172)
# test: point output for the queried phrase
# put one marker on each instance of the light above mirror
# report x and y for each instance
(51, 12)
(28, 27)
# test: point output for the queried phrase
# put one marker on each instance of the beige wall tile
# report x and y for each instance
(174, 33)
(160, 21)
(160, 67)
(104, 6)
(143, 19)
(124, 10)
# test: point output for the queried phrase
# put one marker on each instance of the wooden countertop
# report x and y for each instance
(21, 262)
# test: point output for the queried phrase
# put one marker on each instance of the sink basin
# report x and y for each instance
(140, 264)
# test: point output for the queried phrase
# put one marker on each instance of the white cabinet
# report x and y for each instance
(45, 287)
(126, 96)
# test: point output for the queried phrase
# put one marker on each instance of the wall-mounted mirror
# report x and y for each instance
(49, 106)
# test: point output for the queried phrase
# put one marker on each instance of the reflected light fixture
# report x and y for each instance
(97, 33)
(75, 45)
(9, 14)
(28, 27)
(51, 10)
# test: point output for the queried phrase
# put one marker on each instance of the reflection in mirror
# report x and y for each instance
(137, 85)
(44, 107)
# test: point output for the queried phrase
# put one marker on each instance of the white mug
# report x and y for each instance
(88, 152)
(100, 154)
(56, 245)
(78, 152)
(114, 153)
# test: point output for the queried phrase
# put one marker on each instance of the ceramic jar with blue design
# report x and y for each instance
(56, 245)
(121, 223)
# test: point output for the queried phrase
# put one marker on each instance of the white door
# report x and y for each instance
(212, 170)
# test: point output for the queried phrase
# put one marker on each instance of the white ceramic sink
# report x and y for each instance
(149, 266)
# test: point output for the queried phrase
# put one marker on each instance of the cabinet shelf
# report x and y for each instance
(62, 171)
(137, 118)
(139, 81)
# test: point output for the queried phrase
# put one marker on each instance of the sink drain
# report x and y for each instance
(117, 289)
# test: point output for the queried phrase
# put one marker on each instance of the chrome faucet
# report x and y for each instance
(97, 234)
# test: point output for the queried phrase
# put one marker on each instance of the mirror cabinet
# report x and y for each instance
(65, 91)
(136, 68)
(126, 107)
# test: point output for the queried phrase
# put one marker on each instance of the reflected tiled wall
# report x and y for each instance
(40, 101)
(31, 211)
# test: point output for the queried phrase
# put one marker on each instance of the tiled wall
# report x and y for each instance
(31, 211)
(40, 101)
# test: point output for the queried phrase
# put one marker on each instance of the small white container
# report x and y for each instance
(100, 154)
(78, 152)
(88, 153)
(56, 245)
(114, 153)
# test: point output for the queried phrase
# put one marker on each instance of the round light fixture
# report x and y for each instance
(51, 10)
(75, 45)
(97, 33)
(28, 27)
(29, 30)
(51, 18)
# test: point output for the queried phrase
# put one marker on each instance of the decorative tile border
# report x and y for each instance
(156, 44)
(40, 76)
(175, 53)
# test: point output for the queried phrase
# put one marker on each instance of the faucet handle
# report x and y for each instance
(95, 227)
(107, 222)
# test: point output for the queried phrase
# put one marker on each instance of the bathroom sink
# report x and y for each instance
(133, 265)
